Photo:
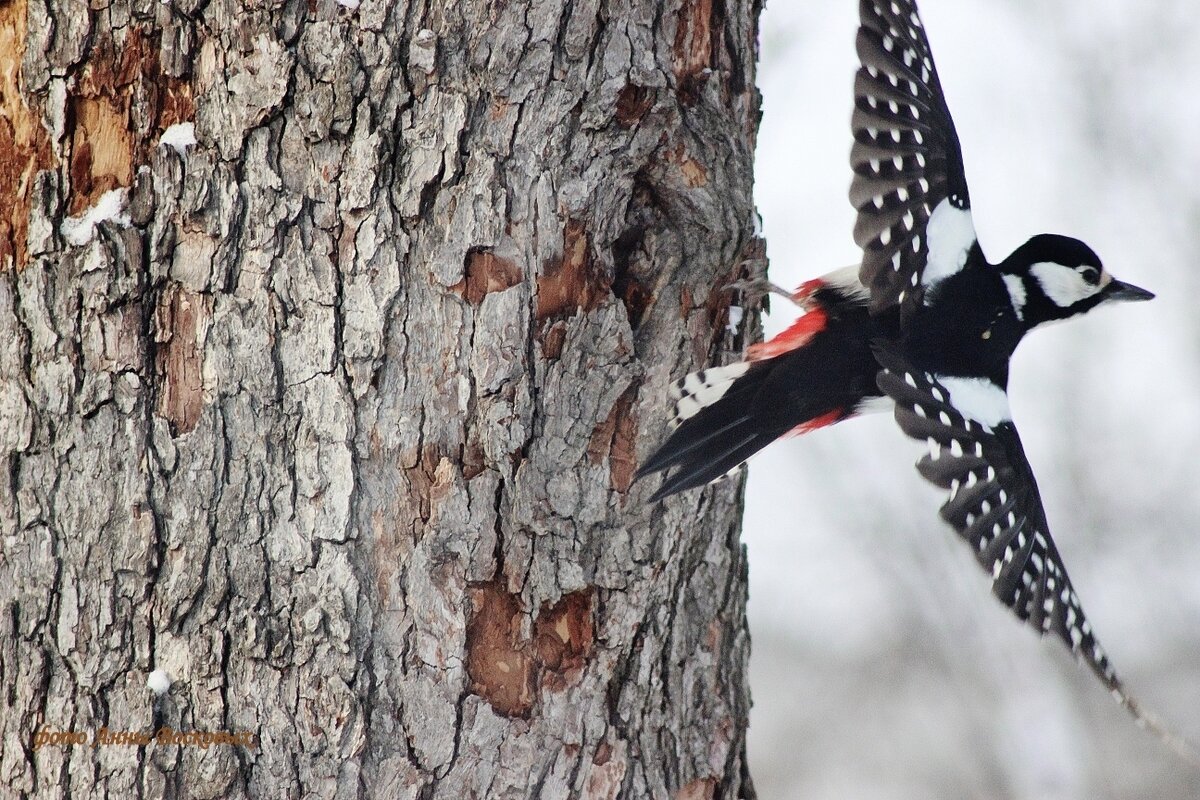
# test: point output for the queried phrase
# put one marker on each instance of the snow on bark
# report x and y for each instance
(338, 433)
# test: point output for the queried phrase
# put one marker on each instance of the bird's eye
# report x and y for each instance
(1090, 274)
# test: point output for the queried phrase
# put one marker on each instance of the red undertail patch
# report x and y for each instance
(816, 422)
(805, 291)
(796, 336)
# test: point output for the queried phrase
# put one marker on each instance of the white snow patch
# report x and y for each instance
(158, 681)
(735, 320)
(951, 234)
(110, 207)
(350, 4)
(180, 136)
(978, 399)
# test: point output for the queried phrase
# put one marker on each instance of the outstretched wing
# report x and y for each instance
(994, 501)
(914, 220)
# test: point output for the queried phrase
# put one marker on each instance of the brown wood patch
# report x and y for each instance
(693, 172)
(564, 632)
(106, 142)
(614, 439)
(632, 104)
(24, 144)
(692, 50)
(486, 272)
(499, 664)
(552, 338)
(573, 283)
(507, 669)
(180, 323)
(101, 151)
(699, 789)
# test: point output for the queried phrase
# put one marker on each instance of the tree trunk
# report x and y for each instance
(332, 416)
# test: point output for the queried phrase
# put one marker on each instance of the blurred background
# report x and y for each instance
(882, 666)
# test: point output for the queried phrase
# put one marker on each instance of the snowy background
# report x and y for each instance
(882, 667)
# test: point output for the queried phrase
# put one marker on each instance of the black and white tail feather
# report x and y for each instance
(703, 388)
(708, 447)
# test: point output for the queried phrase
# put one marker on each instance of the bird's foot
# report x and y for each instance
(760, 287)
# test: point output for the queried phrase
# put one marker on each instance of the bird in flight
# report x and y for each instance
(925, 324)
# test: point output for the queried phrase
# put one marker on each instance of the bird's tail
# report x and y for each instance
(714, 427)
(817, 372)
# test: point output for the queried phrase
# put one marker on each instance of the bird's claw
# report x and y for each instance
(760, 287)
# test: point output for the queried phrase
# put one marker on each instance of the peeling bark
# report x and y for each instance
(334, 420)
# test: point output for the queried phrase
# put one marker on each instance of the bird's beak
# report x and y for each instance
(1119, 291)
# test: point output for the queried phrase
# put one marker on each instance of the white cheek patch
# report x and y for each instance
(978, 399)
(1016, 293)
(1063, 285)
(951, 235)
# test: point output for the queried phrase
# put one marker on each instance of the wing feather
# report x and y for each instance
(906, 155)
(995, 506)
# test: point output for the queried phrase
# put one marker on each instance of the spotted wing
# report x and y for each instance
(996, 507)
(906, 156)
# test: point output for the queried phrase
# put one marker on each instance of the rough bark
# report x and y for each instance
(335, 419)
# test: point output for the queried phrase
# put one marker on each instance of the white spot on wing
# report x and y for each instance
(978, 399)
(950, 233)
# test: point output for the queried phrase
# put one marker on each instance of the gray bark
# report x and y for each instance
(335, 422)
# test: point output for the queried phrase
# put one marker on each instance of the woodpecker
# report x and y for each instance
(926, 325)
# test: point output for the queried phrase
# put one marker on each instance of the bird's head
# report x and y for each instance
(1053, 277)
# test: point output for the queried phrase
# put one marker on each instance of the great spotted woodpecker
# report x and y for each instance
(925, 324)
